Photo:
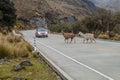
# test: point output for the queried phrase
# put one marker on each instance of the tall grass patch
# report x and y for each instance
(12, 49)
(4, 51)
(103, 36)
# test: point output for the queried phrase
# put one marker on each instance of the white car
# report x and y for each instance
(41, 32)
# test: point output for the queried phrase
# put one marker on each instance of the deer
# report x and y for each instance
(68, 36)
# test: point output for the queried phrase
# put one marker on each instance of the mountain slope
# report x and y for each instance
(108, 4)
(61, 8)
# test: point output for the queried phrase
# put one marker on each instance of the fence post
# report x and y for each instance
(35, 49)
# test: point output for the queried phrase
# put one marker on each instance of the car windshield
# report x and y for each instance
(42, 30)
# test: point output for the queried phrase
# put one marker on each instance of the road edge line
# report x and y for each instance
(98, 72)
(59, 71)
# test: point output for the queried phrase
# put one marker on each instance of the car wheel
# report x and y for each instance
(36, 36)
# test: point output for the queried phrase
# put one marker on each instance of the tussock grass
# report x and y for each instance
(112, 36)
(18, 52)
(116, 37)
(103, 36)
(4, 51)
(12, 49)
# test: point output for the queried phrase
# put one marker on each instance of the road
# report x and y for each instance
(80, 61)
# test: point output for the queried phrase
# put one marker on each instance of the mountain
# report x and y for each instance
(113, 5)
(58, 8)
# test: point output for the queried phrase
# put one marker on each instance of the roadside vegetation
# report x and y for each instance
(13, 53)
(16, 53)
(11, 48)
(104, 24)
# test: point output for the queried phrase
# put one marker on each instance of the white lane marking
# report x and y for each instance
(107, 77)
(58, 68)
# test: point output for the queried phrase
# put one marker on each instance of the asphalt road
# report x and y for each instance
(80, 61)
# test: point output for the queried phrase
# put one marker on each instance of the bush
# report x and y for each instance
(54, 28)
(103, 36)
(17, 39)
(35, 54)
(58, 28)
(79, 26)
(13, 50)
(1, 15)
(8, 16)
(21, 52)
(116, 37)
(4, 51)
(111, 34)
(117, 29)
(10, 38)
(29, 47)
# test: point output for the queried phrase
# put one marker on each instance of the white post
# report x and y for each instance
(35, 49)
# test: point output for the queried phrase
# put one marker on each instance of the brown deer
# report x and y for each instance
(68, 36)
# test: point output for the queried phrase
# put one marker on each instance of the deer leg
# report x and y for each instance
(65, 40)
(71, 40)
(94, 40)
(91, 40)
(84, 41)
(74, 41)
(87, 40)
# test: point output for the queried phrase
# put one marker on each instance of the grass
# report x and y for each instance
(17, 52)
(39, 71)
(12, 49)
(105, 36)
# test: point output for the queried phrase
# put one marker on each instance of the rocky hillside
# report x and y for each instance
(59, 8)
(113, 5)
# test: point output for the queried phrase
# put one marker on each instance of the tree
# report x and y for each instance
(1, 15)
(116, 29)
(7, 13)
(89, 22)
(79, 26)
(116, 18)
(104, 16)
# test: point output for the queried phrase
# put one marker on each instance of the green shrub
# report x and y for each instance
(61, 27)
(1, 15)
(79, 26)
(117, 29)
(7, 14)
(35, 54)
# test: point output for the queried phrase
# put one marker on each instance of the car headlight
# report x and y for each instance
(46, 32)
(39, 33)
